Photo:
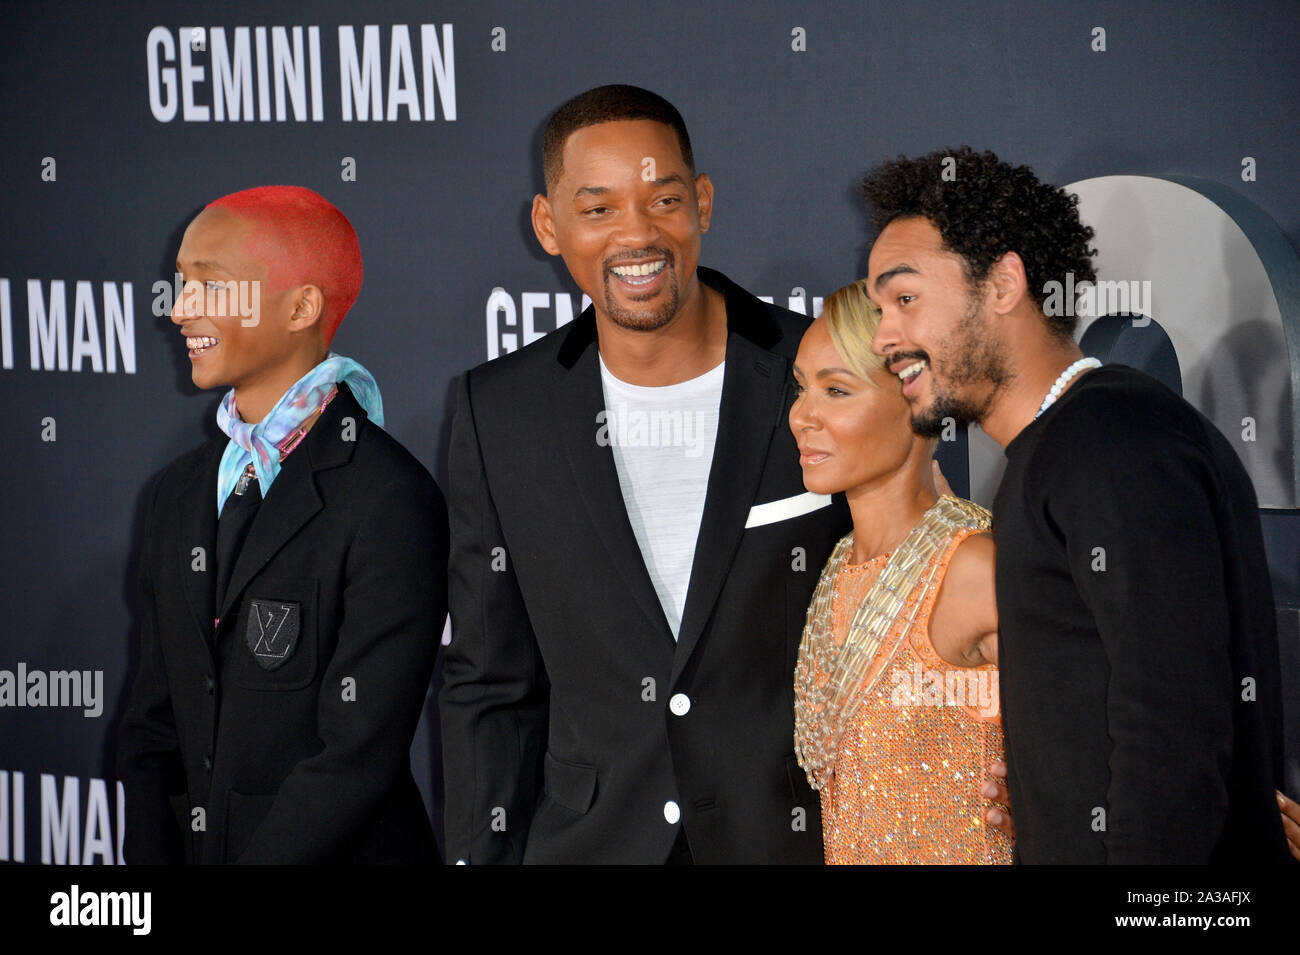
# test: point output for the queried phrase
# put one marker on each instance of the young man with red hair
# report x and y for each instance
(293, 571)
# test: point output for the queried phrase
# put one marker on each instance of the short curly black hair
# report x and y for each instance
(608, 104)
(984, 207)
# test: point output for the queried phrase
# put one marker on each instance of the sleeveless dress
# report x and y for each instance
(901, 780)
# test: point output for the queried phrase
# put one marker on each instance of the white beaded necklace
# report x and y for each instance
(1055, 392)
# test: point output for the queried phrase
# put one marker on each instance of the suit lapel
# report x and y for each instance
(580, 398)
(293, 499)
(753, 397)
(196, 516)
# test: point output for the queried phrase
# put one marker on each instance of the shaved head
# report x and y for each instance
(303, 239)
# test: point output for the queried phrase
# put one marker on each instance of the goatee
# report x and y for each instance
(650, 319)
(978, 361)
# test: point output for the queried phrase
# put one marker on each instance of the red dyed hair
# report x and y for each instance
(304, 240)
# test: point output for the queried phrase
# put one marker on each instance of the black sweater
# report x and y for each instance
(1138, 648)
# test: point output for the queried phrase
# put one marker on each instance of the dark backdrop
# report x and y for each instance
(787, 104)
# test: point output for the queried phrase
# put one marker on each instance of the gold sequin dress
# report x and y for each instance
(909, 763)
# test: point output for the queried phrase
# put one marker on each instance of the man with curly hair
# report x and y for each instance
(1138, 648)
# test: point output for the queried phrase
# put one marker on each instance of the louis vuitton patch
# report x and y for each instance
(272, 632)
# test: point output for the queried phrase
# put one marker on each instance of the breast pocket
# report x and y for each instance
(572, 785)
(274, 645)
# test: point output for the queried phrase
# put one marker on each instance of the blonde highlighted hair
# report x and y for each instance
(852, 320)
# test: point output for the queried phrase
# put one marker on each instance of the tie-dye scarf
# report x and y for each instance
(259, 442)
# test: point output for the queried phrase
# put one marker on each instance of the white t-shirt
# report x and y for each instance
(662, 440)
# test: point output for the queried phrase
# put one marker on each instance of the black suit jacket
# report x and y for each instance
(307, 761)
(570, 717)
